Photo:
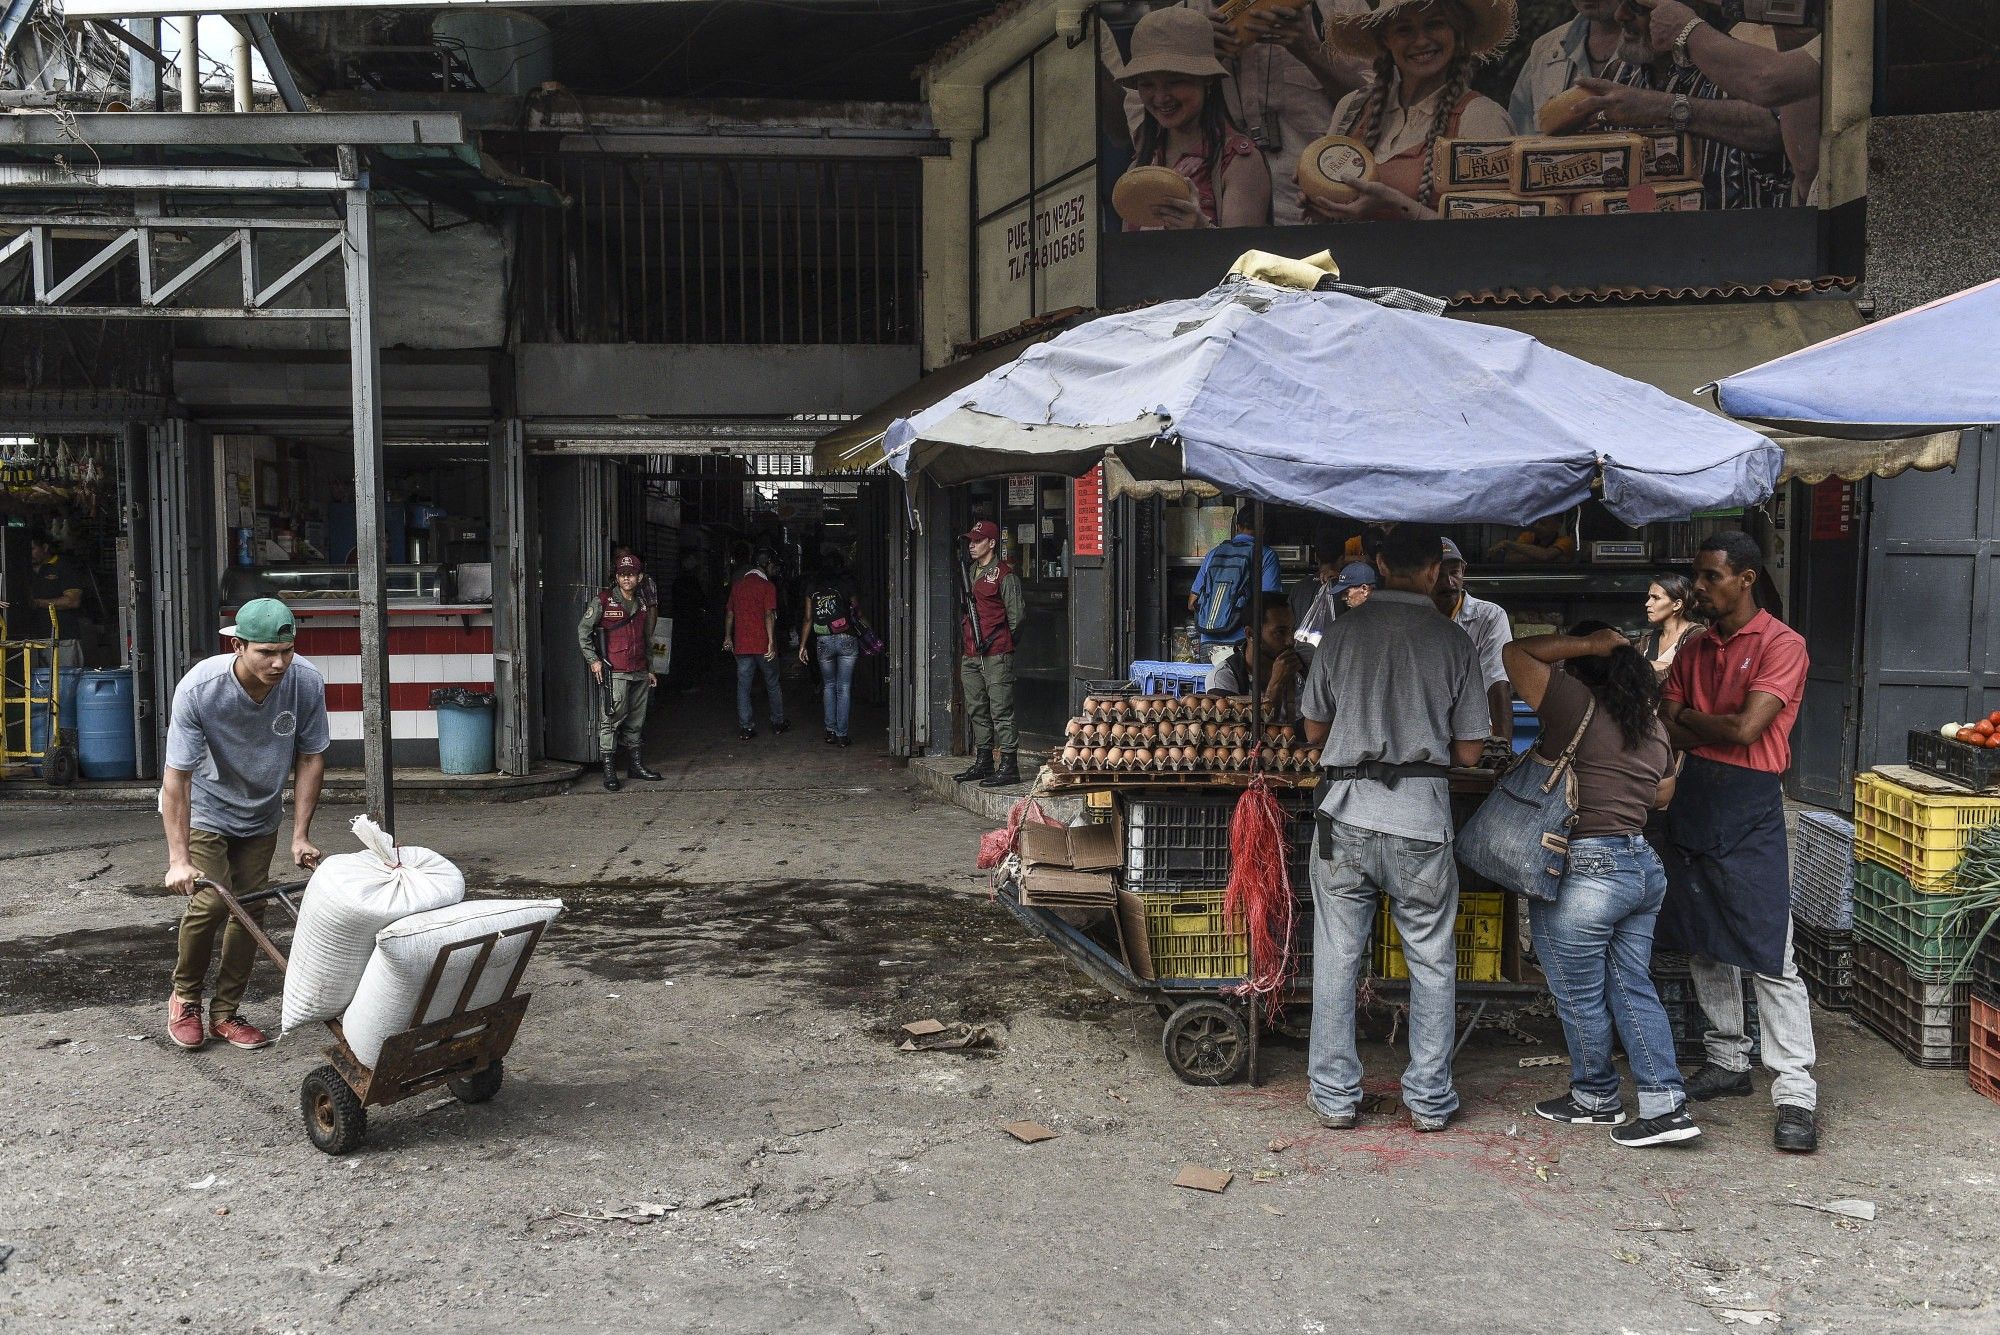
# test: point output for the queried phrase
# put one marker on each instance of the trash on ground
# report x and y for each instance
(205, 1183)
(920, 1028)
(1851, 1209)
(639, 1212)
(1196, 1178)
(1551, 1060)
(1750, 1317)
(1028, 1132)
(949, 1038)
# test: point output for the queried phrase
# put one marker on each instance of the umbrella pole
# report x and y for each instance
(1256, 629)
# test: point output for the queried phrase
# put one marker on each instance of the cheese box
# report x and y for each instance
(1684, 197)
(1236, 13)
(1461, 163)
(1573, 163)
(1498, 204)
(1669, 154)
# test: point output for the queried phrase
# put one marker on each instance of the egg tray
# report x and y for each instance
(1057, 779)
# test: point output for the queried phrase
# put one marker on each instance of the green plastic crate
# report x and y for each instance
(1917, 928)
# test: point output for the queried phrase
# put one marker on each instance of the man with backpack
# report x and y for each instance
(1220, 599)
(994, 609)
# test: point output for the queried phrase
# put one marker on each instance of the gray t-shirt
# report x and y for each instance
(240, 751)
(1397, 681)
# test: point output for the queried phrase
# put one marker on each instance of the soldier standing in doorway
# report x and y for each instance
(993, 612)
(616, 636)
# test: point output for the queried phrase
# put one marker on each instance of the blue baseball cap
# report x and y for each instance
(1353, 575)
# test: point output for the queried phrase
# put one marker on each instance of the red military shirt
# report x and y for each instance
(750, 599)
(1713, 675)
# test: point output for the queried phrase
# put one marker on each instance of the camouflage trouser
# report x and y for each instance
(626, 695)
(989, 700)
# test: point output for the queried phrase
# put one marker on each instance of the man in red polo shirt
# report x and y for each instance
(1729, 702)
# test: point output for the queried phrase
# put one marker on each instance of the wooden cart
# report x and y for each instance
(463, 1050)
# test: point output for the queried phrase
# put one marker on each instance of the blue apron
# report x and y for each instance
(1729, 891)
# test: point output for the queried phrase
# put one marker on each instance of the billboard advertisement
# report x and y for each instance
(1255, 113)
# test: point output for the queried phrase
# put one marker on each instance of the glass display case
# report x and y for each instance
(298, 584)
(1545, 598)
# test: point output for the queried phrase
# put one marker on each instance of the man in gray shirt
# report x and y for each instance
(1396, 696)
(240, 722)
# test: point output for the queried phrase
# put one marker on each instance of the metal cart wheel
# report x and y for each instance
(335, 1120)
(480, 1086)
(59, 766)
(1207, 1042)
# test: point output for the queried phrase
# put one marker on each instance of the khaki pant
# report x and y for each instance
(626, 695)
(989, 700)
(244, 865)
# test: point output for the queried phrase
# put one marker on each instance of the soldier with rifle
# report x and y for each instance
(993, 612)
(616, 635)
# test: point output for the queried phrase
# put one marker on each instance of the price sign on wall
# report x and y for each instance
(1087, 505)
(1832, 510)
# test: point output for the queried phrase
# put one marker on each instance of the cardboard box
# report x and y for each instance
(1076, 847)
(1568, 164)
(1060, 888)
(1498, 204)
(1460, 164)
(1669, 156)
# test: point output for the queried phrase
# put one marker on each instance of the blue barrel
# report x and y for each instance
(465, 738)
(38, 715)
(104, 741)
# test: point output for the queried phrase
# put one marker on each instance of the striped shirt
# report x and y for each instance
(1731, 177)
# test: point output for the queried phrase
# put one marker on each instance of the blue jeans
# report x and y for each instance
(1421, 881)
(747, 666)
(1595, 943)
(837, 654)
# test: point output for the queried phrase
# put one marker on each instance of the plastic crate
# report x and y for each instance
(1985, 971)
(1826, 962)
(1157, 678)
(1689, 1023)
(1982, 1053)
(1929, 1023)
(1915, 834)
(1823, 871)
(1977, 767)
(1175, 842)
(1921, 930)
(1477, 935)
(1192, 936)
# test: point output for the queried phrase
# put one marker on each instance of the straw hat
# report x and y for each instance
(1354, 34)
(1174, 41)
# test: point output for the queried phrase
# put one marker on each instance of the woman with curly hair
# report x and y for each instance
(1424, 54)
(1595, 940)
(1187, 125)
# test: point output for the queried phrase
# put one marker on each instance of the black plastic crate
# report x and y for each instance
(1690, 1023)
(1977, 767)
(1826, 963)
(1172, 843)
(1985, 971)
(1929, 1023)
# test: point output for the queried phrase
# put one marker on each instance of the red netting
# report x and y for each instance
(1260, 890)
(995, 845)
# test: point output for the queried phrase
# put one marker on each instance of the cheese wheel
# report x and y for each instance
(1330, 165)
(1564, 113)
(1236, 13)
(1137, 192)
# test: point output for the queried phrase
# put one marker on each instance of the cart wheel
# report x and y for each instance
(59, 766)
(335, 1119)
(480, 1086)
(1206, 1043)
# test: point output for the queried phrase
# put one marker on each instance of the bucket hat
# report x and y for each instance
(1355, 33)
(1173, 41)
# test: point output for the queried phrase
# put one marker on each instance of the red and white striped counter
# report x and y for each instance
(431, 645)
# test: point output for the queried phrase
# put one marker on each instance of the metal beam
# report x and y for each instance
(105, 9)
(370, 514)
(313, 129)
(178, 312)
(280, 70)
(247, 179)
(804, 144)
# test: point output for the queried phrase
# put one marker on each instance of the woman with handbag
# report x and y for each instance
(1594, 940)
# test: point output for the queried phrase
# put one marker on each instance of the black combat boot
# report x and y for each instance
(636, 767)
(1009, 772)
(611, 784)
(982, 765)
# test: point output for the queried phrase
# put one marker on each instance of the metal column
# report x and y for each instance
(508, 501)
(365, 377)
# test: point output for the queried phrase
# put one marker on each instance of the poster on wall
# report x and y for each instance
(1254, 113)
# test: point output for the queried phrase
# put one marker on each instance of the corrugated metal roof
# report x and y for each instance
(1581, 296)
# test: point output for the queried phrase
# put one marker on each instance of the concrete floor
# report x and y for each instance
(714, 1030)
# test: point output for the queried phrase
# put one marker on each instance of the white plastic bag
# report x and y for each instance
(350, 898)
(1318, 618)
(385, 1003)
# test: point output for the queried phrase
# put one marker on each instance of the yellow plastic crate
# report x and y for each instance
(1097, 806)
(1916, 835)
(1474, 966)
(1477, 934)
(1192, 936)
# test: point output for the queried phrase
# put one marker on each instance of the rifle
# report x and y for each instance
(981, 640)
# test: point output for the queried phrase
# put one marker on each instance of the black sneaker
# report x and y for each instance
(1797, 1131)
(1713, 1082)
(1669, 1129)
(781, 729)
(1567, 1109)
(745, 734)
(829, 738)
(845, 742)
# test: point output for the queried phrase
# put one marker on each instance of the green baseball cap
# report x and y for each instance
(263, 621)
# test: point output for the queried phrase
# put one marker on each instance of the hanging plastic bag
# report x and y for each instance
(1318, 618)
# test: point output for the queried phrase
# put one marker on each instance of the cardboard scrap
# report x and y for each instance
(1749, 1316)
(1851, 1209)
(918, 1028)
(947, 1038)
(1028, 1133)
(1196, 1178)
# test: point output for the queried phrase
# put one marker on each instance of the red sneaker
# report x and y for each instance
(238, 1032)
(184, 1023)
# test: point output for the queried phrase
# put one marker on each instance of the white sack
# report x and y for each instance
(385, 1003)
(350, 898)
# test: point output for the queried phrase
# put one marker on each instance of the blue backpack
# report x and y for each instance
(1221, 611)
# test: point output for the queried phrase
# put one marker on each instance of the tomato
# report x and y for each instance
(1994, 718)
(1967, 735)
(1992, 742)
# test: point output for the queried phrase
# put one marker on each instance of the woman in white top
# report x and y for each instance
(1424, 54)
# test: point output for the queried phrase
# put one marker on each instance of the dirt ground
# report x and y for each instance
(714, 1031)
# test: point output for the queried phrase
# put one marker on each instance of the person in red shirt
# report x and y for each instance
(750, 632)
(1729, 701)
